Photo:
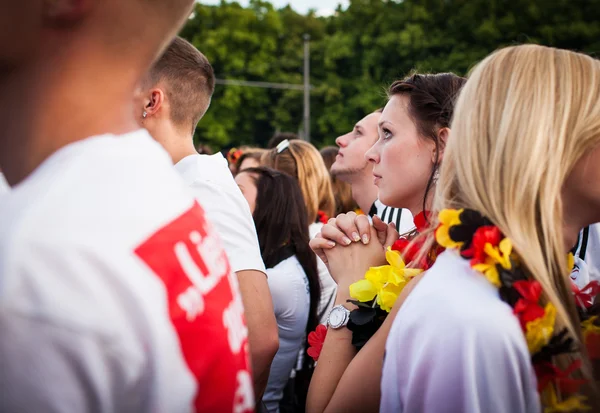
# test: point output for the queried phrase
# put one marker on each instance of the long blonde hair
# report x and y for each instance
(525, 117)
(304, 162)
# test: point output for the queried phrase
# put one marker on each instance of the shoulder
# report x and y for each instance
(452, 330)
(287, 274)
(455, 310)
(458, 298)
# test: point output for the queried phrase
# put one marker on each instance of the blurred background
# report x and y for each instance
(356, 49)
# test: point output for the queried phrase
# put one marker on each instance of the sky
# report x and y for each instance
(323, 7)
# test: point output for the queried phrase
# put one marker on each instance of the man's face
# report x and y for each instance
(353, 146)
(20, 32)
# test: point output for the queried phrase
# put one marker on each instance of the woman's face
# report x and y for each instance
(581, 192)
(248, 187)
(403, 160)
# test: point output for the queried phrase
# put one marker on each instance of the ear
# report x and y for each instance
(66, 12)
(154, 101)
(442, 139)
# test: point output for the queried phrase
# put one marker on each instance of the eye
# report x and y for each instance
(386, 133)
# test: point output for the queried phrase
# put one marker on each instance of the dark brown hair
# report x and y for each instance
(281, 225)
(431, 106)
(190, 81)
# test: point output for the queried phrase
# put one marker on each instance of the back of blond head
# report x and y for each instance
(304, 162)
(525, 117)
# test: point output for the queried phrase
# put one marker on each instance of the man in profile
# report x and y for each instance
(171, 100)
(115, 294)
(351, 166)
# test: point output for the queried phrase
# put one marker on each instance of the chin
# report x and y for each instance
(390, 200)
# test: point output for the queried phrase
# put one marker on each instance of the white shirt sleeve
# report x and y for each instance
(432, 365)
(229, 213)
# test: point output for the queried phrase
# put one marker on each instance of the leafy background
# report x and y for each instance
(356, 53)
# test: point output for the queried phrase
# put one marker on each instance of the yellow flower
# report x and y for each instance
(573, 403)
(385, 282)
(448, 218)
(501, 253)
(400, 274)
(387, 296)
(363, 291)
(570, 262)
(489, 270)
(588, 327)
(495, 255)
(538, 332)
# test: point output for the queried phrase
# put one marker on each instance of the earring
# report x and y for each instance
(436, 175)
(144, 114)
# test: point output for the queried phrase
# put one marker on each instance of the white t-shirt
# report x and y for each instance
(4, 187)
(399, 216)
(115, 295)
(291, 301)
(328, 285)
(213, 185)
(456, 347)
(587, 257)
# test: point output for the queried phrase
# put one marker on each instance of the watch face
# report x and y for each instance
(337, 317)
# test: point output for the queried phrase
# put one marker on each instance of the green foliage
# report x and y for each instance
(357, 52)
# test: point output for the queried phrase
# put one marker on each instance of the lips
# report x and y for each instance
(376, 178)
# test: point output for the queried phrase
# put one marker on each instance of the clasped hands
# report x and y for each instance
(349, 245)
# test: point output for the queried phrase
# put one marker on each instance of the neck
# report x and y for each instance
(177, 143)
(364, 192)
(49, 105)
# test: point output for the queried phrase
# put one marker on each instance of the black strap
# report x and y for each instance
(398, 218)
(584, 242)
(385, 215)
(281, 254)
(373, 210)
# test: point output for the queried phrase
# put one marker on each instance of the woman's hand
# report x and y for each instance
(345, 228)
(348, 264)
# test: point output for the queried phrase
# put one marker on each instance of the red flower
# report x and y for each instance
(592, 343)
(422, 220)
(409, 249)
(547, 372)
(484, 235)
(322, 217)
(315, 341)
(528, 308)
(585, 296)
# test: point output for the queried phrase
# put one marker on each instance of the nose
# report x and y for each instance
(342, 141)
(373, 154)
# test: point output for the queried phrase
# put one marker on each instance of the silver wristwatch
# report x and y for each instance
(338, 317)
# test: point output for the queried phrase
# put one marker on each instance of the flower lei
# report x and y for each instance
(480, 241)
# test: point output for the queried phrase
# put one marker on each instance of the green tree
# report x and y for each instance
(357, 53)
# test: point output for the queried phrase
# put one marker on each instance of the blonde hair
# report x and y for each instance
(525, 117)
(304, 162)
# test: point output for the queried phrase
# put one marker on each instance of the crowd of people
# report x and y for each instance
(442, 257)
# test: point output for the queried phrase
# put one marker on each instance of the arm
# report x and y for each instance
(262, 327)
(228, 211)
(347, 265)
(334, 386)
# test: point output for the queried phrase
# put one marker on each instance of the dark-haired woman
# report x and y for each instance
(413, 130)
(279, 214)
